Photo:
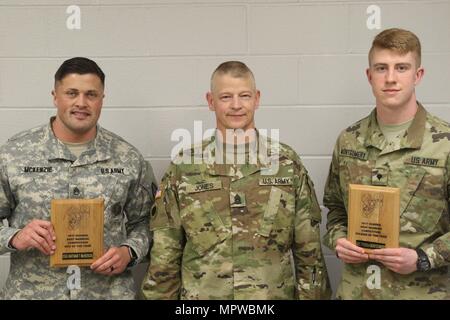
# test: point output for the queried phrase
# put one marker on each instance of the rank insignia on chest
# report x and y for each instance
(237, 200)
(275, 181)
(379, 177)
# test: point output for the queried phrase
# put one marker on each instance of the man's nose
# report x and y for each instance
(81, 100)
(236, 103)
(390, 76)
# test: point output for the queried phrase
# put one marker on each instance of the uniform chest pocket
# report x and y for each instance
(106, 187)
(199, 210)
(278, 218)
(353, 171)
(422, 198)
(33, 194)
(114, 190)
(356, 172)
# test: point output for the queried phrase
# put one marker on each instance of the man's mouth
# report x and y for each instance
(80, 114)
(391, 91)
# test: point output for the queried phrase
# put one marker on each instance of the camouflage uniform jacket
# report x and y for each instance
(418, 163)
(35, 168)
(224, 231)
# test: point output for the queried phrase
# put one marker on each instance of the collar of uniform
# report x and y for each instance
(99, 150)
(213, 168)
(413, 136)
(56, 149)
(103, 144)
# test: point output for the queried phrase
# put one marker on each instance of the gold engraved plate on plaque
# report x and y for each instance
(373, 216)
(78, 225)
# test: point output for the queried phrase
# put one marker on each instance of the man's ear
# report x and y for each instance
(54, 97)
(369, 75)
(419, 75)
(258, 97)
(209, 99)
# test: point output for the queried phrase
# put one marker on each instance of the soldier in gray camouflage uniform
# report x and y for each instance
(73, 157)
(229, 229)
(398, 145)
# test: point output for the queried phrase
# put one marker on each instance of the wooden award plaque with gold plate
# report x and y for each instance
(78, 225)
(373, 216)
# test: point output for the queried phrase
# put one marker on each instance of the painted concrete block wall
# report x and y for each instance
(308, 56)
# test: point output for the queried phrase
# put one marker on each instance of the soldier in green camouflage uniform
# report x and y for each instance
(230, 230)
(37, 166)
(415, 159)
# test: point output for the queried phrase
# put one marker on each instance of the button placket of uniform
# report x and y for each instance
(233, 191)
(235, 227)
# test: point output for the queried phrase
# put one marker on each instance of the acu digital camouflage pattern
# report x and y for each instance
(35, 168)
(417, 163)
(223, 232)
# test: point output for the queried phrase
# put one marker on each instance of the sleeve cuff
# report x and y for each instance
(431, 253)
(332, 236)
(137, 258)
(12, 232)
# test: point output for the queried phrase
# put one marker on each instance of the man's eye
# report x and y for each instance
(71, 94)
(225, 97)
(246, 96)
(402, 68)
(380, 69)
(92, 95)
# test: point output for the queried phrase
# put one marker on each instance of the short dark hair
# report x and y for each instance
(79, 65)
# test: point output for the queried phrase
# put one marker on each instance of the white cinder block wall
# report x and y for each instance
(308, 56)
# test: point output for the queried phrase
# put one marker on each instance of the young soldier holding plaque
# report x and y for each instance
(72, 157)
(399, 145)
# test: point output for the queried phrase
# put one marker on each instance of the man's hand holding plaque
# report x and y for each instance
(114, 261)
(38, 234)
(78, 225)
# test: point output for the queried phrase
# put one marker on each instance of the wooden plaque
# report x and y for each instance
(78, 225)
(373, 216)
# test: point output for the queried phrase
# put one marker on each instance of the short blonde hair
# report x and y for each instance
(235, 69)
(399, 40)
